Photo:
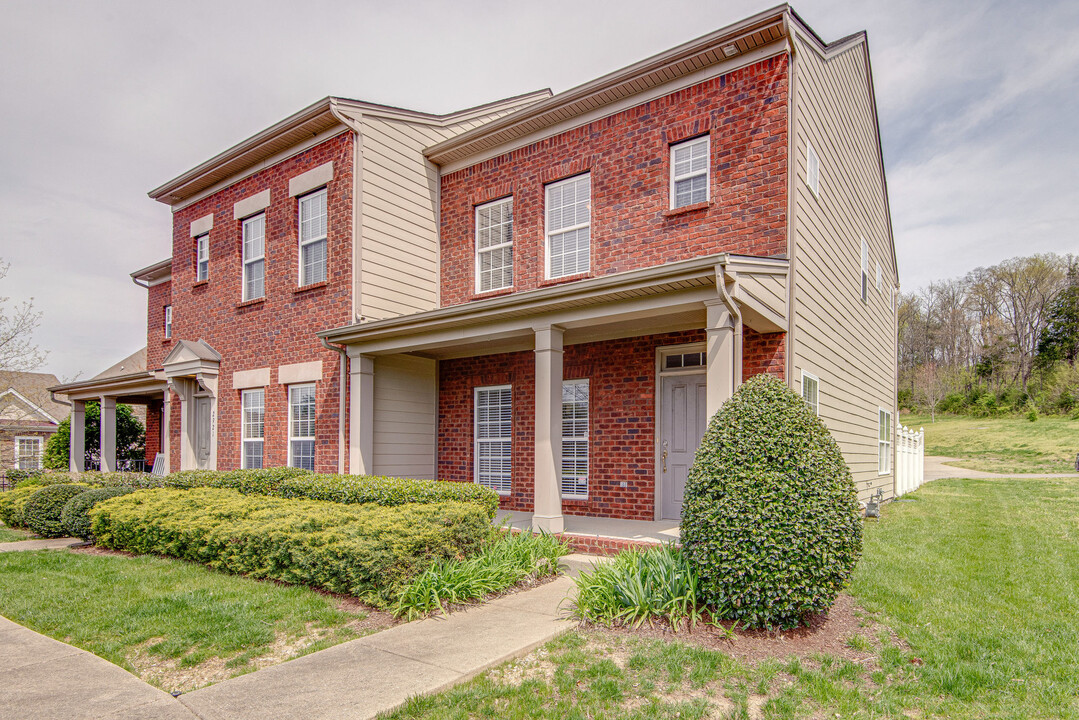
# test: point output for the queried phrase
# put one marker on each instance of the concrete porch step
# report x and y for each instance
(576, 563)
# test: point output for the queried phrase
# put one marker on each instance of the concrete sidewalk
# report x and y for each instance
(39, 544)
(936, 469)
(45, 679)
(377, 673)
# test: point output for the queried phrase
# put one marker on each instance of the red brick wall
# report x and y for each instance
(745, 115)
(280, 328)
(157, 345)
(764, 353)
(153, 432)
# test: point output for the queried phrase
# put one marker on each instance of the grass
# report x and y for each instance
(12, 535)
(980, 578)
(120, 607)
(1002, 445)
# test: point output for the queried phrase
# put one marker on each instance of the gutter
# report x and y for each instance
(340, 403)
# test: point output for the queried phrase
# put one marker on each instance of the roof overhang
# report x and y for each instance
(155, 274)
(133, 387)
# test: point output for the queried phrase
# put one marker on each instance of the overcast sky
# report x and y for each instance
(102, 101)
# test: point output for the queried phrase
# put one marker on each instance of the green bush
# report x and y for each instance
(366, 551)
(42, 511)
(16, 476)
(12, 503)
(75, 517)
(770, 519)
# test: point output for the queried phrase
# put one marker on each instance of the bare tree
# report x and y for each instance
(933, 384)
(18, 353)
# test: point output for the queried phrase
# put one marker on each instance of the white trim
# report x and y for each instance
(247, 261)
(665, 351)
(802, 387)
(586, 439)
(890, 426)
(291, 435)
(202, 225)
(476, 436)
(247, 379)
(476, 239)
(323, 238)
(566, 229)
(244, 439)
(311, 180)
(863, 288)
(33, 406)
(168, 322)
(706, 171)
(812, 170)
(247, 207)
(202, 243)
(40, 450)
(296, 373)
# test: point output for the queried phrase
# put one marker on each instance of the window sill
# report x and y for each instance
(565, 278)
(200, 283)
(674, 212)
(491, 293)
(312, 286)
(251, 302)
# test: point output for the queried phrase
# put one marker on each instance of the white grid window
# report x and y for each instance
(575, 439)
(811, 391)
(812, 170)
(494, 245)
(569, 213)
(254, 257)
(301, 426)
(254, 427)
(168, 321)
(28, 453)
(494, 438)
(865, 270)
(884, 445)
(202, 257)
(689, 172)
(313, 238)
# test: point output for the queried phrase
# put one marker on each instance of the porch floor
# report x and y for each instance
(637, 531)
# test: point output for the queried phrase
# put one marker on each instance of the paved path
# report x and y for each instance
(935, 469)
(39, 544)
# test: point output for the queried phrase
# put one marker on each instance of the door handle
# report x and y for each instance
(663, 457)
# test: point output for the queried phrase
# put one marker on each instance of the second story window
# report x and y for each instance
(254, 257)
(202, 257)
(313, 238)
(494, 245)
(689, 172)
(168, 321)
(569, 217)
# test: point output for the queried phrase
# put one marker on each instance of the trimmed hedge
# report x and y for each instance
(42, 511)
(12, 503)
(366, 551)
(75, 517)
(770, 519)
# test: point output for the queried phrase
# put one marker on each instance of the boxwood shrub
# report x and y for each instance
(770, 519)
(362, 550)
(12, 503)
(75, 517)
(42, 511)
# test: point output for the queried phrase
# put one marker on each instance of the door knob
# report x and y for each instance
(664, 456)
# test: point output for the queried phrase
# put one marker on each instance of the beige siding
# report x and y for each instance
(406, 402)
(849, 345)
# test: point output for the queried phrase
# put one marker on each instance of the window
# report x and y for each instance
(254, 427)
(811, 391)
(494, 438)
(494, 245)
(202, 257)
(865, 270)
(301, 426)
(689, 172)
(254, 257)
(575, 439)
(884, 446)
(812, 170)
(168, 321)
(879, 277)
(28, 453)
(569, 212)
(684, 360)
(313, 238)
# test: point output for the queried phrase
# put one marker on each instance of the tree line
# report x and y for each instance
(1001, 339)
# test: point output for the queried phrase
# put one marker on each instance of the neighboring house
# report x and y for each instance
(28, 418)
(550, 297)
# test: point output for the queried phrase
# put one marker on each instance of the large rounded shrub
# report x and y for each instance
(770, 519)
(75, 518)
(42, 511)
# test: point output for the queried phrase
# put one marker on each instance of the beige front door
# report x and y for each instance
(683, 413)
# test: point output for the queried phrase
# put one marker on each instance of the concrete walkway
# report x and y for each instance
(936, 469)
(39, 544)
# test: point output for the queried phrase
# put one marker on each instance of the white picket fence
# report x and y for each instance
(909, 459)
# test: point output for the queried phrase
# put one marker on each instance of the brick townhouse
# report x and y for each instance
(548, 295)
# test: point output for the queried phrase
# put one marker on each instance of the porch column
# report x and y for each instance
(77, 442)
(166, 430)
(548, 488)
(721, 347)
(361, 444)
(108, 434)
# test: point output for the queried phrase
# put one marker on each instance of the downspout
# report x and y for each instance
(721, 285)
(52, 396)
(340, 404)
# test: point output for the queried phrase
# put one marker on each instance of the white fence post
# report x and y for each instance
(910, 460)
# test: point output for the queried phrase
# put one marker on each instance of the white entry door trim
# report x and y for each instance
(690, 371)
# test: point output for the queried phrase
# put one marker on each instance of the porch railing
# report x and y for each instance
(909, 459)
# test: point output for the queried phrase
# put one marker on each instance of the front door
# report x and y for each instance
(202, 432)
(682, 405)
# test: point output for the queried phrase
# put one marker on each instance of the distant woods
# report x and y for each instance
(1002, 339)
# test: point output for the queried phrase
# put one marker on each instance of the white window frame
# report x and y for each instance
(815, 402)
(249, 262)
(480, 252)
(577, 480)
(245, 438)
(884, 441)
(301, 278)
(706, 172)
(168, 322)
(865, 271)
(39, 454)
(812, 169)
(202, 257)
(547, 233)
(880, 277)
(292, 436)
(501, 488)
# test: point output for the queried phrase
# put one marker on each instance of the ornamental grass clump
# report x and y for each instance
(770, 520)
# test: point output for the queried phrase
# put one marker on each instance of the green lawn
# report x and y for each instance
(980, 578)
(1002, 445)
(10, 535)
(181, 617)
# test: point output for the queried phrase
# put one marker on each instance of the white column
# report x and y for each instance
(361, 443)
(166, 434)
(721, 348)
(108, 434)
(548, 474)
(77, 442)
